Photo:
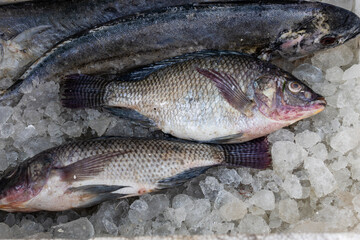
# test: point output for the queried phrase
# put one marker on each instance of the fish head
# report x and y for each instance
(327, 27)
(20, 184)
(284, 98)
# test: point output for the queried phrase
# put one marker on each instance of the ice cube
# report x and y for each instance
(345, 140)
(10, 219)
(321, 179)
(342, 178)
(307, 139)
(230, 207)
(233, 210)
(350, 117)
(264, 199)
(176, 216)
(201, 210)
(308, 73)
(334, 75)
(229, 177)
(182, 200)
(223, 228)
(347, 4)
(157, 204)
(79, 229)
(274, 220)
(29, 227)
(100, 125)
(210, 187)
(162, 229)
(339, 56)
(292, 186)
(246, 177)
(356, 203)
(287, 156)
(62, 219)
(7, 130)
(106, 218)
(338, 164)
(139, 212)
(31, 116)
(319, 151)
(5, 231)
(352, 72)
(251, 224)
(53, 110)
(23, 134)
(281, 135)
(5, 114)
(72, 129)
(289, 211)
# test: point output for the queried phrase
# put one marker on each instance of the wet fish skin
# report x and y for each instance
(208, 96)
(87, 172)
(151, 37)
(29, 29)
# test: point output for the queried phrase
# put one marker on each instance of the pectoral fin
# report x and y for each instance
(91, 195)
(230, 90)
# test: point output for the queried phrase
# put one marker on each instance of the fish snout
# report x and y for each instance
(320, 100)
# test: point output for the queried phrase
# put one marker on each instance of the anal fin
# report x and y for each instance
(91, 195)
(130, 114)
(182, 177)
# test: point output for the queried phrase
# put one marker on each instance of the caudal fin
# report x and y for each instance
(81, 91)
(252, 154)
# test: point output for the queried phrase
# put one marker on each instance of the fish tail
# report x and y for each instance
(253, 154)
(83, 91)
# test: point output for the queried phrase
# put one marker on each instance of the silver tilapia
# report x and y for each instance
(212, 96)
(85, 173)
(291, 29)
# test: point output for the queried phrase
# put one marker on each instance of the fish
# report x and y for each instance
(29, 29)
(85, 173)
(290, 29)
(207, 96)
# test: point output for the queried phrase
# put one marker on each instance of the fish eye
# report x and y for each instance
(294, 87)
(327, 40)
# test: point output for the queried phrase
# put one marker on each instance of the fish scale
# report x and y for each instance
(153, 93)
(208, 96)
(84, 173)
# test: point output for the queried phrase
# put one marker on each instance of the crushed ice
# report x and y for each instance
(313, 186)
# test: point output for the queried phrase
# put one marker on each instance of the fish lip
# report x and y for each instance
(320, 101)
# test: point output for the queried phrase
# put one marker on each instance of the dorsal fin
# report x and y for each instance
(142, 72)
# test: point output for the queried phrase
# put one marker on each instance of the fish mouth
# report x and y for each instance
(320, 101)
(318, 105)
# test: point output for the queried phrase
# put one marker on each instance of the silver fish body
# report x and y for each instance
(290, 29)
(85, 173)
(209, 96)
